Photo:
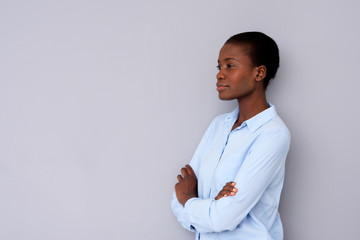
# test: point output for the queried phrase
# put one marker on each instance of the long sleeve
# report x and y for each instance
(176, 207)
(263, 165)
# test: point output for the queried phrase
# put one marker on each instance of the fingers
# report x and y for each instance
(228, 190)
(184, 172)
(187, 170)
(179, 177)
(231, 183)
(190, 170)
(230, 186)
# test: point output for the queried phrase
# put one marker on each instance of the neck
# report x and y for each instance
(251, 106)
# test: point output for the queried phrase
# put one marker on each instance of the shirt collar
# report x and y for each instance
(256, 121)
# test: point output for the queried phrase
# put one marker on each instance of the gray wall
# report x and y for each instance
(102, 102)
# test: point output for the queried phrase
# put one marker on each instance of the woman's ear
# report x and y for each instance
(260, 73)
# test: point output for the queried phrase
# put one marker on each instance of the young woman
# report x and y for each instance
(231, 188)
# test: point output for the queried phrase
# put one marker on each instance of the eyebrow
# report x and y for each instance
(227, 59)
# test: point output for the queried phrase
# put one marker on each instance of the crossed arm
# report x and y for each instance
(186, 188)
(264, 165)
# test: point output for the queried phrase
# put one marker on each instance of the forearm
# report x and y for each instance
(209, 215)
(178, 211)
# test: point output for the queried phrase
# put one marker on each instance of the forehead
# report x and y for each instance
(235, 51)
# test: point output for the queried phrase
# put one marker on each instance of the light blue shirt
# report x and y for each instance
(252, 155)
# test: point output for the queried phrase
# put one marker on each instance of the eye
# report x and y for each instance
(230, 66)
(218, 67)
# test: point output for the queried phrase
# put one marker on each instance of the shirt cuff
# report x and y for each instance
(186, 211)
(196, 211)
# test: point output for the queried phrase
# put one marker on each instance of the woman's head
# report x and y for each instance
(261, 49)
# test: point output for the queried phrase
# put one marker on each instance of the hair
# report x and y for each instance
(262, 50)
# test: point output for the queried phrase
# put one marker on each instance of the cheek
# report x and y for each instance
(239, 80)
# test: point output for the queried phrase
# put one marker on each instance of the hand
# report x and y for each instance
(228, 190)
(186, 188)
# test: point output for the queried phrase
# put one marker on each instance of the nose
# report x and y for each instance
(220, 75)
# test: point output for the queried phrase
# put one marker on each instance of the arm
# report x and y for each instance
(264, 162)
(186, 189)
(178, 211)
(178, 208)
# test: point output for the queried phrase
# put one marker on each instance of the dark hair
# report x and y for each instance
(263, 50)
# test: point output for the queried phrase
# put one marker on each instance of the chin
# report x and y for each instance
(225, 98)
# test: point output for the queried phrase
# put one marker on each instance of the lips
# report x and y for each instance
(221, 87)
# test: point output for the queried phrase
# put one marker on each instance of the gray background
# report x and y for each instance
(102, 102)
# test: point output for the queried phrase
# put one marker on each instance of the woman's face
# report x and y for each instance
(236, 77)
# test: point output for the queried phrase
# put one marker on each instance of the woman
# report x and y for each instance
(231, 188)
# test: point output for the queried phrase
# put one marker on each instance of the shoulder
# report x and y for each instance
(276, 131)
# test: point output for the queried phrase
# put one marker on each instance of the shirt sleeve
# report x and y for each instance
(176, 207)
(264, 161)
